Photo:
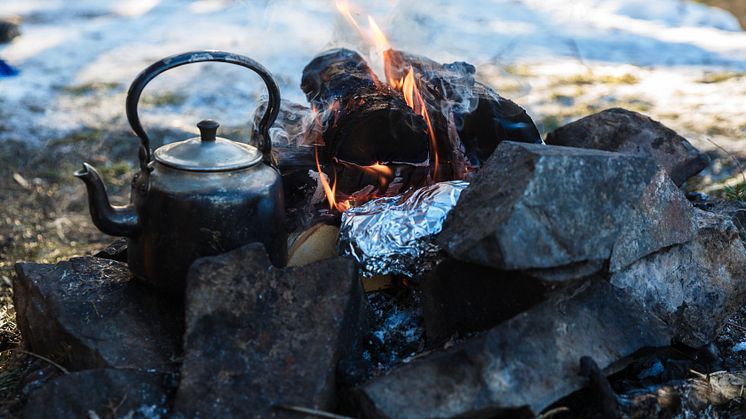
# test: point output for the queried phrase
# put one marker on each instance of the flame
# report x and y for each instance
(330, 191)
(384, 175)
(383, 172)
(407, 85)
(344, 8)
(414, 100)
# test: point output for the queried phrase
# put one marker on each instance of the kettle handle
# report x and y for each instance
(261, 133)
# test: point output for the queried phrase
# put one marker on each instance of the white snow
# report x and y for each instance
(66, 44)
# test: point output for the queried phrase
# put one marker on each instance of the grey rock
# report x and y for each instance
(461, 298)
(257, 336)
(693, 286)
(521, 366)
(89, 313)
(733, 210)
(535, 207)
(103, 393)
(630, 132)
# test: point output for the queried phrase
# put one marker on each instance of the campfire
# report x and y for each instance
(423, 123)
(444, 261)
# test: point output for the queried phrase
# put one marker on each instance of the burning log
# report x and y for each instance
(365, 122)
(481, 116)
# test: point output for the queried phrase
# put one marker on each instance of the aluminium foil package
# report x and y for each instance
(394, 235)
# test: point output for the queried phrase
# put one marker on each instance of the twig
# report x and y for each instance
(576, 50)
(732, 157)
(319, 413)
(700, 375)
(43, 358)
(553, 412)
(736, 325)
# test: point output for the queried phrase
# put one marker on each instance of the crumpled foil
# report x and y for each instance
(394, 235)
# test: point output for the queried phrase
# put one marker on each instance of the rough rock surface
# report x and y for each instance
(733, 210)
(536, 207)
(103, 393)
(692, 286)
(461, 298)
(258, 336)
(89, 313)
(521, 366)
(630, 132)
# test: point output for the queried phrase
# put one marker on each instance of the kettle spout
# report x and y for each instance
(112, 220)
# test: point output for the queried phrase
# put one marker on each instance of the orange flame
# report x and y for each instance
(330, 191)
(414, 100)
(344, 8)
(407, 85)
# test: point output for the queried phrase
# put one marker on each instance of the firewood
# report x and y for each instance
(481, 116)
(364, 121)
(316, 243)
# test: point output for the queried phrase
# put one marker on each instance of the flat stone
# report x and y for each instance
(537, 207)
(258, 336)
(521, 366)
(630, 132)
(103, 393)
(692, 286)
(461, 298)
(88, 312)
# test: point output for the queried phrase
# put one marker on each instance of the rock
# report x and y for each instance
(733, 210)
(546, 207)
(117, 250)
(8, 30)
(89, 313)
(258, 336)
(461, 298)
(103, 393)
(695, 285)
(630, 132)
(521, 366)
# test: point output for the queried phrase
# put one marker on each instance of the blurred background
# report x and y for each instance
(65, 67)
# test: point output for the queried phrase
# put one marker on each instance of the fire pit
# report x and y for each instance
(443, 261)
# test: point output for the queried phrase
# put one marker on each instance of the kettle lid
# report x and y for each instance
(208, 153)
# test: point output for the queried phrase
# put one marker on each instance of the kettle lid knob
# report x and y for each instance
(208, 129)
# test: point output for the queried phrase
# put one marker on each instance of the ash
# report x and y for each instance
(397, 332)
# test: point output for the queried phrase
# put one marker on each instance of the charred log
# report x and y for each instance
(364, 121)
(481, 116)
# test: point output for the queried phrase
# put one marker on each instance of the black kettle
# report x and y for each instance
(198, 197)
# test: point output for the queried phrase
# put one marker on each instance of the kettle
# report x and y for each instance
(198, 197)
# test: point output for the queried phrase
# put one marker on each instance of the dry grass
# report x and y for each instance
(44, 219)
